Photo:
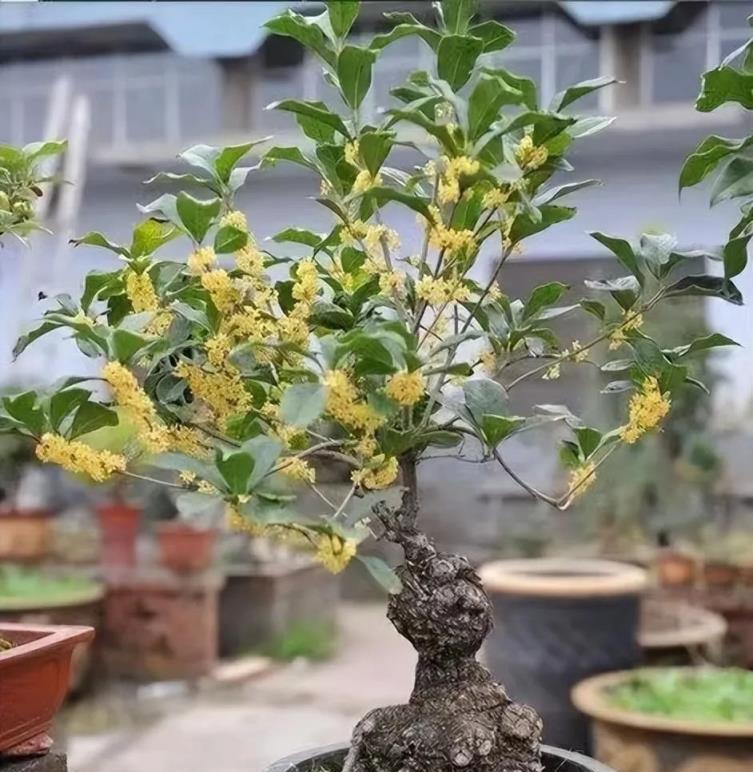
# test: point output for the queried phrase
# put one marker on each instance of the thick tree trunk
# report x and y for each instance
(458, 718)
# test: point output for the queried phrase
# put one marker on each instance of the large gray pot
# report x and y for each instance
(331, 759)
(557, 622)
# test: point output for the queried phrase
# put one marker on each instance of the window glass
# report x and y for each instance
(573, 68)
(6, 119)
(734, 15)
(527, 28)
(34, 116)
(198, 117)
(274, 85)
(101, 101)
(145, 114)
(677, 67)
(145, 65)
(730, 44)
(567, 32)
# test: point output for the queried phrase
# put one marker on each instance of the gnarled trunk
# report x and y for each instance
(458, 718)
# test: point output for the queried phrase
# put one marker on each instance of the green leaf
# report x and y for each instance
(735, 255)
(302, 404)
(594, 307)
(63, 403)
(497, 427)
(124, 344)
(494, 35)
(28, 338)
(382, 195)
(375, 147)
(92, 416)
(707, 156)
(95, 239)
(24, 409)
(197, 216)
(342, 14)
(236, 469)
(291, 154)
(457, 14)
(413, 27)
(456, 58)
(265, 451)
(725, 85)
(525, 86)
(657, 250)
(382, 574)
(542, 297)
(317, 111)
(36, 150)
(714, 340)
(579, 90)
(487, 98)
(229, 239)
(150, 235)
(552, 194)
(526, 225)
(593, 124)
(735, 180)
(589, 440)
(229, 157)
(484, 396)
(622, 250)
(354, 73)
(704, 285)
(298, 236)
(293, 25)
(545, 125)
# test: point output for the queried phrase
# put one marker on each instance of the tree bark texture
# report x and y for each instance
(457, 718)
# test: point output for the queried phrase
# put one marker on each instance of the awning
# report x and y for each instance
(216, 29)
(591, 13)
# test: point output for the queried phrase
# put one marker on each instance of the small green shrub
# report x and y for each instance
(308, 640)
(23, 585)
(707, 694)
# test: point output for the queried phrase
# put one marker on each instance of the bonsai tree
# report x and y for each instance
(241, 365)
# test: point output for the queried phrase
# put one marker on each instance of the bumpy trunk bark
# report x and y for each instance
(458, 718)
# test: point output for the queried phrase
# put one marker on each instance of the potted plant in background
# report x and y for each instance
(232, 373)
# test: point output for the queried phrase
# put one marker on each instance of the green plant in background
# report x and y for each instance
(314, 641)
(702, 695)
(20, 183)
(16, 451)
(21, 586)
(240, 365)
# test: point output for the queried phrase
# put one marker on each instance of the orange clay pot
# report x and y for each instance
(25, 535)
(119, 527)
(676, 569)
(34, 677)
(718, 573)
(186, 548)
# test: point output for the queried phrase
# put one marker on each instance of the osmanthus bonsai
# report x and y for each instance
(238, 366)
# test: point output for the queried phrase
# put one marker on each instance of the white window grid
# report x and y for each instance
(17, 93)
(711, 35)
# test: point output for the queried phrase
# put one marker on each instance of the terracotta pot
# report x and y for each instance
(554, 760)
(25, 535)
(119, 527)
(718, 573)
(650, 742)
(558, 621)
(746, 574)
(34, 677)
(676, 569)
(184, 547)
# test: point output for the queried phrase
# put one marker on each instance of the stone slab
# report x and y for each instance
(52, 762)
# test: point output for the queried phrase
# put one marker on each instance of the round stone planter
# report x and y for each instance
(558, 621)
(650, 742)
(331, 760)
(25, 536)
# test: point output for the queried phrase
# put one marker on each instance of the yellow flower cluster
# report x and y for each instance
(352, 152)
(495, 198)
(630, 322)
(334, 552)
(371, 235)
(223, 391)
(443, 237)
(250, 260)
(77, 457)
(406, 388)
(234, 219)
(439, 291)
(187, 440)
(344, 405)
(488, 361)
(365, 180)
(238, 523)
(578, 353)
(391, 283)
(530, 156)
(218, 347)
(201, 259)
(381, 473)
(221, 289)
(307, 281)
(553, 373)
(581, 479)
(298, 469)
(129, 395)
(647, 408)
(448, 191)
(290, 436)
(140, 291)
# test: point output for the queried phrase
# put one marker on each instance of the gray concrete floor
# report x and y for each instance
(292, 708)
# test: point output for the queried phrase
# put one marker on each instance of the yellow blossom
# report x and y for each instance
(579, 354)
(239, 523)
(160, 322)
(250, 260)
(223, 391)
(324, 188)
(379, 475)
(127, 393)
(218, 347)
(334, 552)
(647, 408)
(307, 281)
(448, 191)
(553, 373)
(439, 291)
(630, 322)
(367, 447)
(207, 488)
(201, 259)
(344, 406)
(187, 478)
(298, 469)
(454, 241)
(352, 152)
(77, 457)
(495, 198)
(187, 440)
(371, 236)
(391, 282)
(406, 388)
(140, 291)
(495, 293)
(488, 361)
(293, 328)
(581, 479)
(234, 219)
(365, 180)
(530, 156)
(220, 287)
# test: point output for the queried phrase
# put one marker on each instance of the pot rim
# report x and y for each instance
(180, 526)
(700, 626)
(82, 598)
(588, 696)
(288, 763)
(52, 637)
(563, 577)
